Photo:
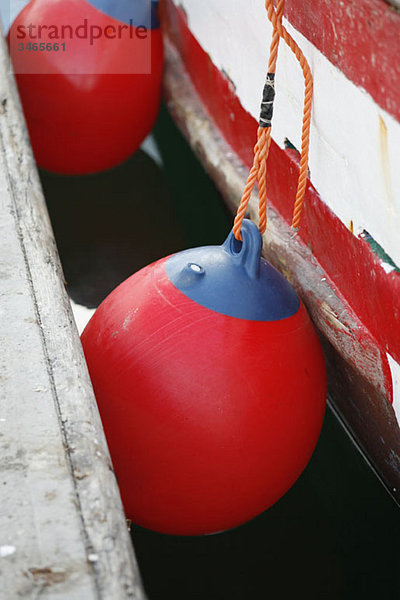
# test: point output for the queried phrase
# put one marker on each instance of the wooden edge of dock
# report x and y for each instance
(62, 528)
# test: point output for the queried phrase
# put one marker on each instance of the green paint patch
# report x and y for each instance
(379, 251)
(289, 145)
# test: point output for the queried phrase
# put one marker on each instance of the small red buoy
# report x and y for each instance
(89, 78)
(211, 385)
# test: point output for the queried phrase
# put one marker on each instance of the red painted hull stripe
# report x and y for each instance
(361, 38)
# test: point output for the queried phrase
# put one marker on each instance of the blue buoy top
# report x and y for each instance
(133, 12)
(233, 279)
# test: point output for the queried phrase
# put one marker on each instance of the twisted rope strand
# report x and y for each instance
(308, 92)
(261, 149)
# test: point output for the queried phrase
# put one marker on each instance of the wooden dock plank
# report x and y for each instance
(62, 528)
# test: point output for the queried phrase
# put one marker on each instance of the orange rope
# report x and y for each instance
(261, 149)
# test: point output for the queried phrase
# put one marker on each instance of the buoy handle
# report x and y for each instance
(248, 251)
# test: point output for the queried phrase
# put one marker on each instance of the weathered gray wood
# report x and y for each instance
(356, 376)
(62, 528)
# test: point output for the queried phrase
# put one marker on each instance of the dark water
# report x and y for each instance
(336, 534)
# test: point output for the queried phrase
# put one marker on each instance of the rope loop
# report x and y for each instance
(258, 171)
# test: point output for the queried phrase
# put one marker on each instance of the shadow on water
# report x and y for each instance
(335, 533)
(111, 224)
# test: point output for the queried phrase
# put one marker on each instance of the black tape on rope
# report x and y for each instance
(267, 104)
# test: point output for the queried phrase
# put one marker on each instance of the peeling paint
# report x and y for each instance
(47, 576)
(333, 319)
(7, 551)
(395, 372)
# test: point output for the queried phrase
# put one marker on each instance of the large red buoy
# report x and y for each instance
(89, 77)
(211, 385)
